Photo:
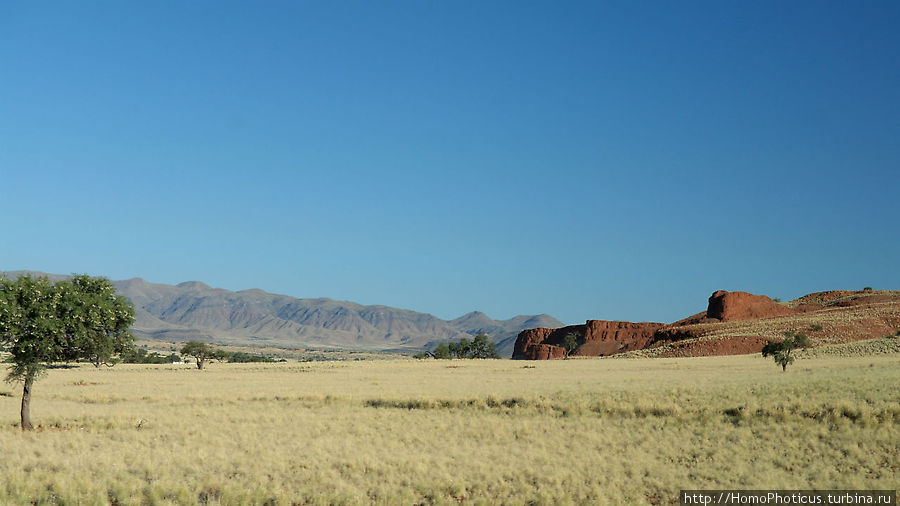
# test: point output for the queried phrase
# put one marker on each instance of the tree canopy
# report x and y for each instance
(570, 342)
(782, 351)
(202, 352)
(479, 347)
(42, 322)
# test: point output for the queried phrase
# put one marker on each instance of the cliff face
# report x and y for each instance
(540, 337)
(602, 338)
(595, 338)
(543, 352)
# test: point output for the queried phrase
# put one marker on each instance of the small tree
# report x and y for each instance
(782, 351)
(202, 352)
(460, 349)
(441, 351)
(482, 347)
(43, 322)
(570, 342)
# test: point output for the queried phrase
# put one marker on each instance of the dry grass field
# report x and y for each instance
(577, 431)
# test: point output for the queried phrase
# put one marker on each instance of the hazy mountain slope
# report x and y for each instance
(194, 310)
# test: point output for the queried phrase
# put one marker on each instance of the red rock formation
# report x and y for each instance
(602, 338)
(879, 316)
(596, 338)
(725, 306)
(544, 352)
(535, 337)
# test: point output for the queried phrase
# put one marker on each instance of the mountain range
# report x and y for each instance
(195, 311)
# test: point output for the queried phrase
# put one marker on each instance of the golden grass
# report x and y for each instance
(485, 432)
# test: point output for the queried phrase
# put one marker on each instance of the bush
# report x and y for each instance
(480, 347)
(867, 289)
(442, 351)
(815, 327)
(240, 357)
(141, 356)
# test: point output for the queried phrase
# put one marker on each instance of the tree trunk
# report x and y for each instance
(200, 363)
(26, 403)
(784, 367)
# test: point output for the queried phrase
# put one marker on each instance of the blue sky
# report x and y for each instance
(607, 160)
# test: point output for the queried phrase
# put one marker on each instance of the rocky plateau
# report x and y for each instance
(733, 323)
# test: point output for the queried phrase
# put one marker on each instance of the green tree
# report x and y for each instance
(441, 351)
(479, 347)
(482, 347)
(460, 349)
(782, 351)
(202, 352)
(570, 342)
(43, 322)
(98, 319)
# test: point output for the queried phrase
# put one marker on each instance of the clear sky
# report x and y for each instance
(604, 160)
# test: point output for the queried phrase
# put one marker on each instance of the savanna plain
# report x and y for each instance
(599, 431)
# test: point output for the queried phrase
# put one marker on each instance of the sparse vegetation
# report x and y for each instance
(815, 327)
(886, 345)
(776, 299)
(867, 289)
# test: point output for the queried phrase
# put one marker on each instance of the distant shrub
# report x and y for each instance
(867, 289)
(815, 327)
(776, 299)
(142, 356)
(480, 347)
(442, 351)
(800, 340)
(243, 358)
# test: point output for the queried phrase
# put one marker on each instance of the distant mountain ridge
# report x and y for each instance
(195, 311)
